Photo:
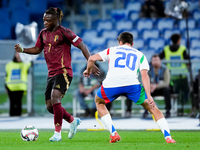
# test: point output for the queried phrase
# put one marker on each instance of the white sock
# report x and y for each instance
(107, 122)
(57, 132)
(162, 123)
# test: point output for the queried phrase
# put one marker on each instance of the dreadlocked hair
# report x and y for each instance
(55, 11)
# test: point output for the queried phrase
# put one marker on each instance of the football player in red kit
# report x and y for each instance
(55, 40)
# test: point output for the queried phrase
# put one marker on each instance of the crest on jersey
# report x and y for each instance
(56, 38)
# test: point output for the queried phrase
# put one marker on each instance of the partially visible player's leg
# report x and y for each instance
(74, 122)
(55, 90)
(49, 106)
(56, 97)
(161, 121)
(106, 119)
(66, 116)
(156, 112)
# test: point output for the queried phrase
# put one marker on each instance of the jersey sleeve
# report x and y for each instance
(144, 63)
(39, 43)
(105, 54)
(72, 37)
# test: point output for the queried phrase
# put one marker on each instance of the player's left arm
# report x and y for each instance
(146, 81)
(92, 59)
(146, 84)
(77, 42)
(86, 53)
(84, 49)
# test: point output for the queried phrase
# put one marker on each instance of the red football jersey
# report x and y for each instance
(57, 49)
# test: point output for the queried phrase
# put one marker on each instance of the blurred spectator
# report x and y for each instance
(178, 70)
(159, 83)
(74, 5)
(152, 9)
(16, 83)
(87, 88)
(195, 102)
(128, 108)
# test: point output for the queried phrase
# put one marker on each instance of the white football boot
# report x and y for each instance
(56, 137)
(72, 127)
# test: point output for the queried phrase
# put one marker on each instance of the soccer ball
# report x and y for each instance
(29, 133)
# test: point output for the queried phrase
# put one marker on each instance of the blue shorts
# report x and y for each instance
(136, 93)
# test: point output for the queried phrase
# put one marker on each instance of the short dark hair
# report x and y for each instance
(56, 12)
(155, 55)
(125, 37)
(175, 37)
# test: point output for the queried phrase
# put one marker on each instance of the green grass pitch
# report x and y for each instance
(99, 140)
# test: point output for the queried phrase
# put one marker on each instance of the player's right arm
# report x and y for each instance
(86, 53)
(32, 50)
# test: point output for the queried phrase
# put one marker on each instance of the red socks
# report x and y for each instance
(67, 116)
(59, 114)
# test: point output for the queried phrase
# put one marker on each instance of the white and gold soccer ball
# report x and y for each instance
(29, 133)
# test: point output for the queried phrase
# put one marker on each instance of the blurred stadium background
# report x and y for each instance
(98, 23)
